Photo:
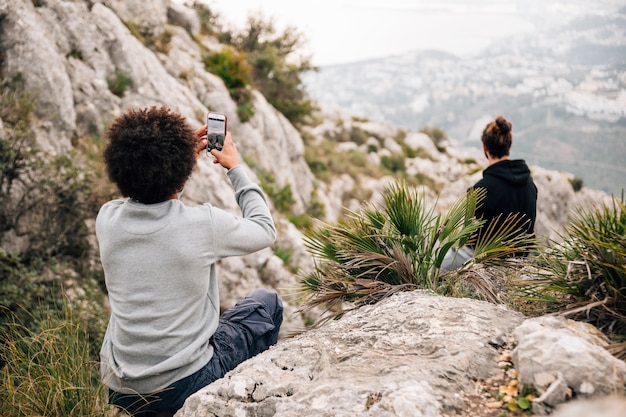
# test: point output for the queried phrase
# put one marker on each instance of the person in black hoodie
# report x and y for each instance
(509, 185)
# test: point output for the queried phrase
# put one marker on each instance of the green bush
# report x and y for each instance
(45, 358)
(245, 111)
(316, 208)
(21, 286)
(316, 160)
(210, 21)
(233, 68)
(585, 272)
(119, 83)
(354, 134)
(259, 57)
(577, 184)
(401, 245)
(16, 106)
(394, 163)
(43, 201)
(276, 68)
(423, 179)
(281, 197)
(326, 162)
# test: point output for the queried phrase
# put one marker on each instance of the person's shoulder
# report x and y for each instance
(191, 210)
(483, 182)
(107, 211)
(112, 205)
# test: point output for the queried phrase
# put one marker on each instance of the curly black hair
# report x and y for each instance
(497, 137)
(150, 153)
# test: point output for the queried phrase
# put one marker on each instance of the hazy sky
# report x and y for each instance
(343, 31)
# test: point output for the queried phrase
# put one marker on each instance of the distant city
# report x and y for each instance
(563, 88)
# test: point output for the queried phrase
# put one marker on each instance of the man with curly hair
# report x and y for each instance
(165, 338)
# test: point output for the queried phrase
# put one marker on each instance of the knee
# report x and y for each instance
(271, 301)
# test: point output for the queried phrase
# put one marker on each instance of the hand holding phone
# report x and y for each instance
(228, 157)
(216, 131)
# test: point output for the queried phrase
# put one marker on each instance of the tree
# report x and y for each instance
(276, 65)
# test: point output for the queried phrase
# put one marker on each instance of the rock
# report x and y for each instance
(413, 354)
(181, 15)
(149, 16)
(31, 54)
(610, 406)
(565, 353)
(556, 393)
(409, 355)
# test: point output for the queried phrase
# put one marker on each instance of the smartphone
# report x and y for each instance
(216, 131)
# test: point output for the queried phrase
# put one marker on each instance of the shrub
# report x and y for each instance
(44, 205)
(355, 134)
(400, 246)
(437, 135)
(394, 163)
(317, 163)
(16, 106)
(585, 274)
(577, 184)
(233, 68)
(21, 286)
(44, 201)
(119, 83)
(276, 69)
(245, 111)
(162, 42)
(281, 197)
(316, 208)
(260, 57)
(423, 179)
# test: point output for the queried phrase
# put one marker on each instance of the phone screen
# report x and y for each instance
(216, 123)
(216, 131)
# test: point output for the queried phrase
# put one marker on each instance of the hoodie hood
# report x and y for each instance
(515, 172)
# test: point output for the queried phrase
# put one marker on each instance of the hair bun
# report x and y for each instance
(503, 125)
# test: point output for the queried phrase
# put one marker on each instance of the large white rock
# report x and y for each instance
(409, 355)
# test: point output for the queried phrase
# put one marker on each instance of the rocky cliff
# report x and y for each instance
(67, 52)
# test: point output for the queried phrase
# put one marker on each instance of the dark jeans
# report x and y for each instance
(245, 330)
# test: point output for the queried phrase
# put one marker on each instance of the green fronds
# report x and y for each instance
(400, 245)
(502, 239)
(584, 276)
(459, 224)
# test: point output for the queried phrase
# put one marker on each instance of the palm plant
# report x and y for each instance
(400, 245)
(584, 276)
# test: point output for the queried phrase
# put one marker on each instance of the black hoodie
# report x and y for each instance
(510, 189)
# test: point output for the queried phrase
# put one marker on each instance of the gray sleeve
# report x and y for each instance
(251, 232)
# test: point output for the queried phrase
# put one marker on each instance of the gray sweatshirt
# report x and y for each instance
(159, 267)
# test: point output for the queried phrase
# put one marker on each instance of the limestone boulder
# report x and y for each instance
(412, 354)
